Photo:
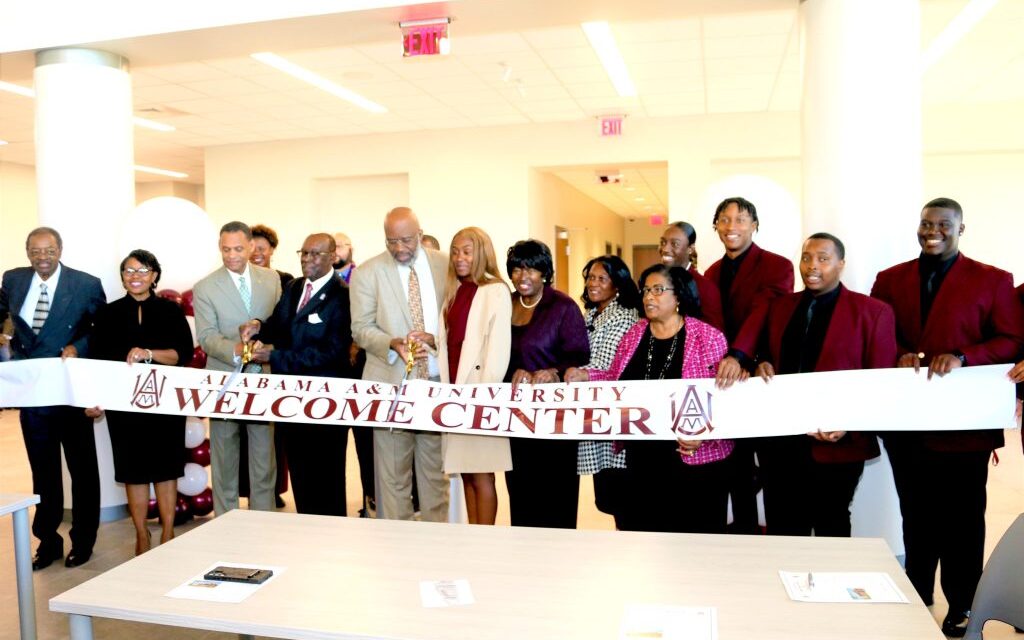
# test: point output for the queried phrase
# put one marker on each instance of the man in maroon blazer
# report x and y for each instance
(951, 311)
(747, 277)
(809, 481)
(677, 250)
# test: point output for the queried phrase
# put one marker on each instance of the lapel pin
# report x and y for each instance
(322, 296)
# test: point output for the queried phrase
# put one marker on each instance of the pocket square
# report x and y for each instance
(314, 318)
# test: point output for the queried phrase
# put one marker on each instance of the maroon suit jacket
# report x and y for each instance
(763, 275)
(710, 300)
(860, 335)
(976, 312)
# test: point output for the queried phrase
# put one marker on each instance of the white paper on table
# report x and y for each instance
(199, 588)
(446, 593)
(669, 622)
(846, 586)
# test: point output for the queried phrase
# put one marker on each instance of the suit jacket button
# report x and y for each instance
(477, 367)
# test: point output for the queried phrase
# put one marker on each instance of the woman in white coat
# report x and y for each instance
(474, 339)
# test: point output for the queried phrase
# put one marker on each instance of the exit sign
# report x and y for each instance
(611, 125)
(425, 38)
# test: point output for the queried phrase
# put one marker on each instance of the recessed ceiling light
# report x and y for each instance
(160, 172)
(604, 45)
(318, 81)
(152, 124)
(958, 27)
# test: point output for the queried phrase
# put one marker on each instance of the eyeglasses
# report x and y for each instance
(407, 240)
(657, 290)
(144, 271)
(36, 253)
(313, 254)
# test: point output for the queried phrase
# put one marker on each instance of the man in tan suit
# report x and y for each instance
(383, 323)
(227, 298)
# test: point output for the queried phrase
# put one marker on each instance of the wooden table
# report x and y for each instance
(17, 505)
(359, 578)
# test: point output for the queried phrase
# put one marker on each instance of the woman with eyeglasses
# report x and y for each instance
(669, 486)
(548, 337)
(612, 302)
(142, 328)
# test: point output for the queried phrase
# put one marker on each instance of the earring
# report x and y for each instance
(616, 296)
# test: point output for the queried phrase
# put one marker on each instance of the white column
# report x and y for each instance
(861, 129)
(861, 157)
(84, 155)
(86, 183)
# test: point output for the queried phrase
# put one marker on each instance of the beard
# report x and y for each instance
(340, 264)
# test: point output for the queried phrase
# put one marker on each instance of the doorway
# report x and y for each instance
(562, 259)
(644, 255)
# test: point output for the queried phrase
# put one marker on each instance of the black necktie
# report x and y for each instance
(810, 315)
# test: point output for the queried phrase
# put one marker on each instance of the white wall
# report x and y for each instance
(18, 212)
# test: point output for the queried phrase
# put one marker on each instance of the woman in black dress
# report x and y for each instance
(148, 448)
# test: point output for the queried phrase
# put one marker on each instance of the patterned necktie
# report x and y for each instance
(42, 309)
(307, 295)
(243, 290)
(416, 311)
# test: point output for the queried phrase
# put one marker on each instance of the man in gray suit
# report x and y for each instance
(383, 324)
(224, 300)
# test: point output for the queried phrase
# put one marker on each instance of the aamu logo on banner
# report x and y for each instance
(690, 416)
(148, 389)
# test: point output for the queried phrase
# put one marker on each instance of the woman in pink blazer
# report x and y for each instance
(675, 487)
(474, 340)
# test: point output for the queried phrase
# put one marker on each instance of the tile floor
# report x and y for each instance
(116, 542)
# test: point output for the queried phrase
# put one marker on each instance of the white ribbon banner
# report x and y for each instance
(867, 400)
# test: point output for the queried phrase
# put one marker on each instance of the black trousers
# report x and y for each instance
(609, 492)
(45, 430)
(543, 487)
(801, 495)
(942, 498)
(663, 493)
(743, 482)
(316, 463)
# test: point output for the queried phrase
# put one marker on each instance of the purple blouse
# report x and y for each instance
(555, 337)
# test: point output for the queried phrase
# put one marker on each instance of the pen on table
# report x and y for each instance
(810, 580)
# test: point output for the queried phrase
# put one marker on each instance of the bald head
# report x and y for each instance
(402, 234)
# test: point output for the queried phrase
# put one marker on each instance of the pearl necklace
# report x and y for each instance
(530, 306)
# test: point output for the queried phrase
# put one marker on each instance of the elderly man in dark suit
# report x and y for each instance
(809, 481)
(951, 311)
(52, 307)
(309, 333)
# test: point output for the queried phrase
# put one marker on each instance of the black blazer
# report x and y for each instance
(73, 305)
(314, 341)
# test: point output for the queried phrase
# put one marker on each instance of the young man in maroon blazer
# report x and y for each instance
(747, 277)
(951, 311)
(809, 480)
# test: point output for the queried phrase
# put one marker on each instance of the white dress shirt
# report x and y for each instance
(28, 309)
(428, 297)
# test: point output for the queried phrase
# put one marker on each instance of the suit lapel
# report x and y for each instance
(391, 276)
(840, 328)
(230, 291)
(473, 340)
(318, 300)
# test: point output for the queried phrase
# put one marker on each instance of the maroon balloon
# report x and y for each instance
(198, 358)
(182, 510)
(202, 503)
(152, 511)
(199, 454)
(186, 303)
(170, 294)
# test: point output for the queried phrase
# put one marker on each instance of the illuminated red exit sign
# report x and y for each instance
(611, 125)
(425, 38)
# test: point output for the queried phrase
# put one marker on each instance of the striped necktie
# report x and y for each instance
(243, 290)
(42, 309)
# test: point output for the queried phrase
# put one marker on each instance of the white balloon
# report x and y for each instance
(194, 480)
(179, 234)
(195, 432)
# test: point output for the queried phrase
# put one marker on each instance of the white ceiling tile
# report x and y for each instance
(420, 68)
(363, 75)
(655, 86)
(382, 51)
(765, 46)
(201, 106)
(240, 116)
(293, 112)
(576, 75)
(143, 79)
(224, 87)
(471, 98)
(490, 121)
(450, 84)
(660, 31)
(271, 129)
(187, 72)
(760, 82)
(488, 64)
(682, 70)
(736, 100)
(379, 92)
(556, 37)
(527, 77)
(557, 116)
(277, 81)
(570, 57)
(456, 122)
(668, 99)
(269, 99)
(328, 58)
(749, 24)
(487, 43)
(591, 90)
(639, 53)
(157, 94)
(390, 126)
(609, 105)
(542, 106)
(741, 66)
(545, 92)
(488, 110)
(243, 66)
(216, 129)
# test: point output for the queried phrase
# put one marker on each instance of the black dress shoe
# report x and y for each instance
(77, 558)
(955, 624)
(45, 558)
(279, 501)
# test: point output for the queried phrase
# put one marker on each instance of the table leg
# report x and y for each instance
(23, 571)
(81, 626)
